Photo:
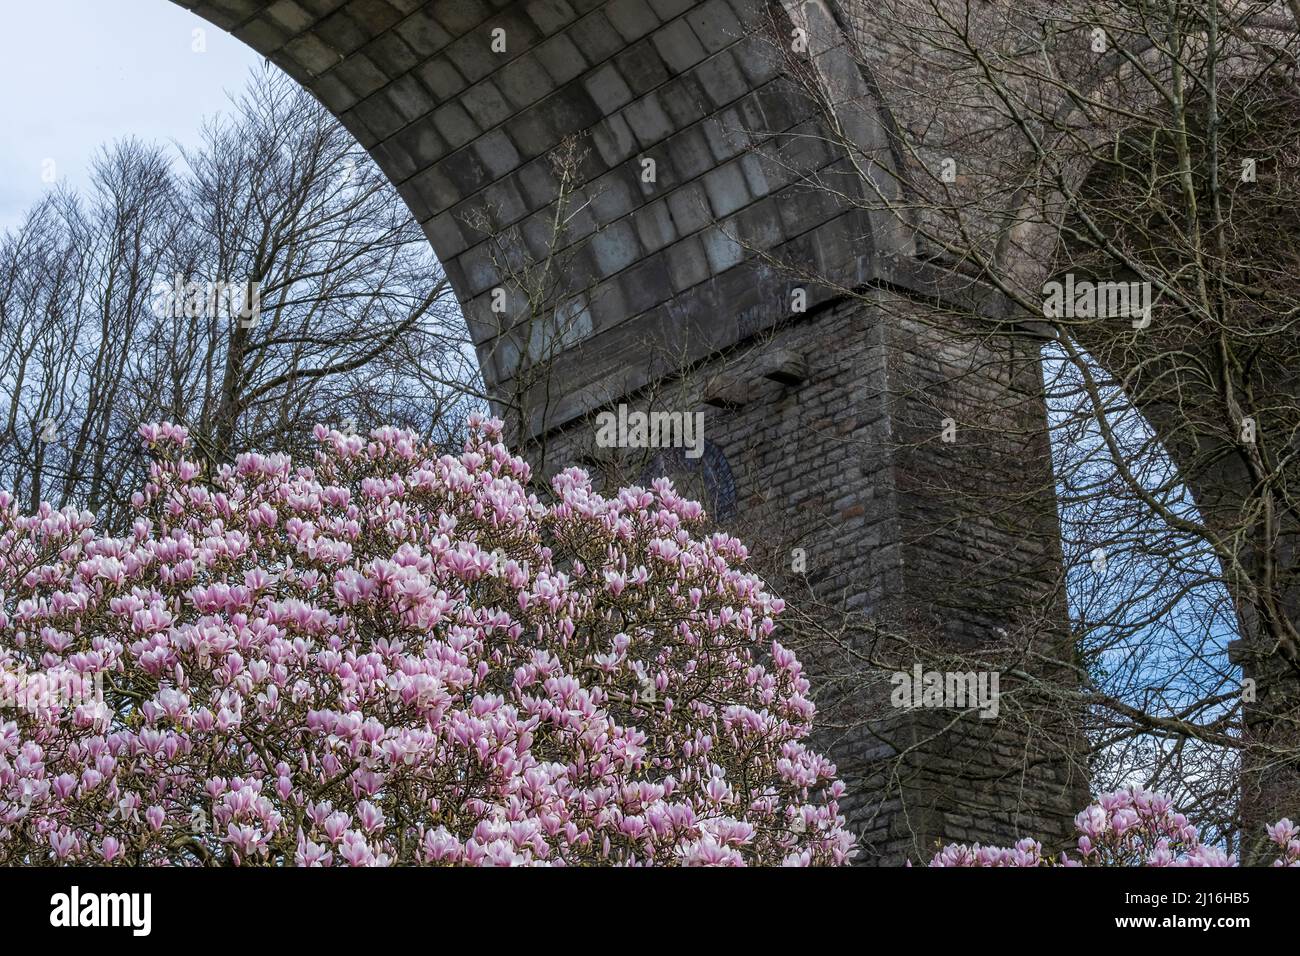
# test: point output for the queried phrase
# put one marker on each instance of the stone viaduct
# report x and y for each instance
(682, 240)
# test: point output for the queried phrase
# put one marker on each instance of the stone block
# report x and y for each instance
(379, 116)
(459, 17)
(595, 36)
(612, 198)
(485, 104)
(360, 75)
(649, 122)
(687, 264)
(668, 9)
(561, 59)
(454, 124)
(613, 140)
(689, 154)
(425, 35)
(312, 54)
(442, 78)
(726, 189)
(523, 81)
(389, 49)
(654, 225)
(409, 97)
(642, 67)
(721, 248)
(607, 89)
(678, 45)
(632, 19)
(473, 57)
(615, 247)
(689, 208)
(289, 16)
(550, 15)
(497, 153)
(341, 32)
(715, 24)
(434, 190)
(726, 138)
(445, 236)
(722, 79)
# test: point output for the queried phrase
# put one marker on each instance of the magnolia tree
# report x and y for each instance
(1130, 827)
(391, 657)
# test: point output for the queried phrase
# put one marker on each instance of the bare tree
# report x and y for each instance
(1111, 183)
(271, 280)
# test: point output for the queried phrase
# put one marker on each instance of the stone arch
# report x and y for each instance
(1033, 228)
(462, 127)
(1037, 225)
(805, 400)
(1208, 457)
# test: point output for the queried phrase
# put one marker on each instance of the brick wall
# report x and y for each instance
(831, 427)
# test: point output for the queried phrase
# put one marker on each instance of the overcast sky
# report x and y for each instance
(75, 74)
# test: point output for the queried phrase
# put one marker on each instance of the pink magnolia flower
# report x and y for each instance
(389, 655)
(1129, 827)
